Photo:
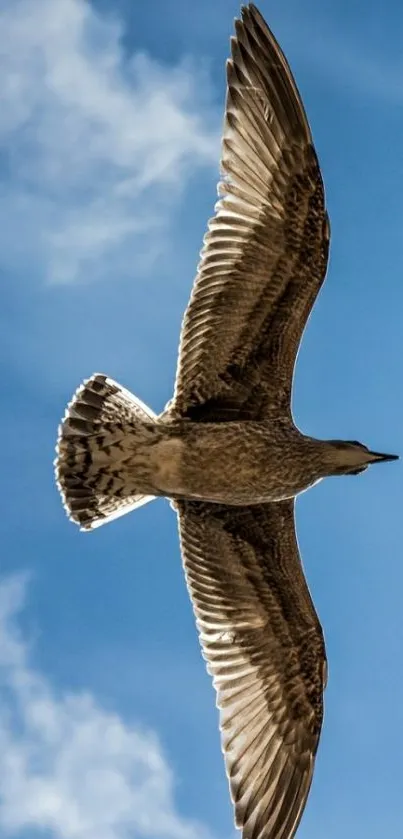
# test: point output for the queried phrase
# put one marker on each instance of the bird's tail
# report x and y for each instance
(91, 452)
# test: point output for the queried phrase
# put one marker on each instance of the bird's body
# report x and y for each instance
(228, 463)
(240, 463)
(226, 450)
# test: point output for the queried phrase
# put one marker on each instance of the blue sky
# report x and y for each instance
(109, 149)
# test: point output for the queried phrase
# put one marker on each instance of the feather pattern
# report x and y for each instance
(264, 648)
(265, 253)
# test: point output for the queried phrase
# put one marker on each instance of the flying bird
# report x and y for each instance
(226, 451)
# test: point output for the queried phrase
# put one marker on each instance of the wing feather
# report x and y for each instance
(264, 648)
(265, 252)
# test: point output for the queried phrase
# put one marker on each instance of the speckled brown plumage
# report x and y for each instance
(265, 253)
(226, 450)
(264, 649)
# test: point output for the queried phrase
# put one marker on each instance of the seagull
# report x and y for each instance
(226, 451)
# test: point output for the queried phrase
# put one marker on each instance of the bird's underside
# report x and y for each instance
(262, 265)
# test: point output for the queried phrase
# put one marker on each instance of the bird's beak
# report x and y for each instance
(377, 457)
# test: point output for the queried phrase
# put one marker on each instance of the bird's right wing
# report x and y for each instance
(265, 253)
(264, 648)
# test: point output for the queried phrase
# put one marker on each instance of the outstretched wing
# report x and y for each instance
(264, 647)
(265, 254)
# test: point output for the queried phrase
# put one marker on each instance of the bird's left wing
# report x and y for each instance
(264, 648)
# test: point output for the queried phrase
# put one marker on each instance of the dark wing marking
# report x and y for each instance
(264, 647)
(265, 254)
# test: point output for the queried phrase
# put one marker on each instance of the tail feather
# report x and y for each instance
(89, 452)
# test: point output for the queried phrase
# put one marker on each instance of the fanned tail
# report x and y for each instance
(91, 452)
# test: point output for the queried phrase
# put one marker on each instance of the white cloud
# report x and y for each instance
(69, 767)
(95, 146)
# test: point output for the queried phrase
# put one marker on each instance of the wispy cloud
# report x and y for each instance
(95, 145)
(68, 766)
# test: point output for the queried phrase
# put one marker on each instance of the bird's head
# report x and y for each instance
(348, 457)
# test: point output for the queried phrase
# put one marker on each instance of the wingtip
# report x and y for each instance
(251, 12)
(247, 10)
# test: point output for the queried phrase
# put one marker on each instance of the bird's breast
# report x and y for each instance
(225, 464)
